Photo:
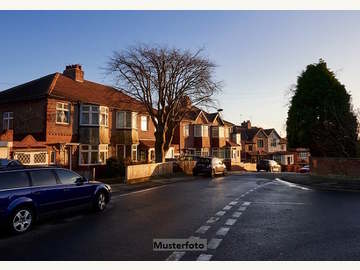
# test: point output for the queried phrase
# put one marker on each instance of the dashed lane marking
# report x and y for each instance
(204, 257)
(212, 220)
(203, 229)
(233, 203)
(242, 208)
(220, 213)
(236, 214)
(246, 203)
(214, 243)
(176, 256)
(228, 207)
(230, 222)
(222, 231)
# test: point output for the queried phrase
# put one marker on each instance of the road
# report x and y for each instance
(261, 220)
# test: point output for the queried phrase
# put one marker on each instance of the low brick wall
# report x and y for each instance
(143, 172)
(335, 167)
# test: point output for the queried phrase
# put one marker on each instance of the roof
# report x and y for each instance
(249, 134)
(268, 131)
(228, 123)
(59, 86)
(232, 144)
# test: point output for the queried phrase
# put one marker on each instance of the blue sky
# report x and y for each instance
(259, 53)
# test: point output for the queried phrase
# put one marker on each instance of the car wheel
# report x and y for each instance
(100, 202)
(22, 220)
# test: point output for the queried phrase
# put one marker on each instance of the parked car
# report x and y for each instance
(305, 169)
(9, 163)
(268, 166)
(209, 166)
(28, 193)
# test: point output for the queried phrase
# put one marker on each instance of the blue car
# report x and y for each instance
(27, 194)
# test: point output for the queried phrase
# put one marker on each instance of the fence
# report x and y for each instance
(142, 172)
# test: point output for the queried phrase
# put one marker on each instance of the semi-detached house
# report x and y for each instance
(66, 120)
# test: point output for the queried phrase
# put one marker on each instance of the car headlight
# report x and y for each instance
(108, 187)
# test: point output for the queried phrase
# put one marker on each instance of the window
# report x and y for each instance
(303, 155)
(62, 113)
(273, 142)
(142, 155)
(32, 158)
(104, 116)
(144, 123)
(13, 180)
(125, 119)
(260, 143)
(67, 177)
(93, 154)
(201, 131)
(204, 152)
(186, 131)
(8, 120)
(120, 151)
(217, 132)
(52, 157)
(134, 152)
(89, 115)
(43, 178)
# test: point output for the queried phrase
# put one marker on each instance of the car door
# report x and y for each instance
(45, 191)
(77, 191)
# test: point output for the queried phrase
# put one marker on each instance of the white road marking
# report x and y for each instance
(204, 257)
(212, 220)
(228, 207)
(203, 229)
(246, 203)
(220, 213)
(236, 214)
(230, 222)
(291, 184)
(222, 231)
(214, 243)
(233, 203)
(242, 208)
(176, 256)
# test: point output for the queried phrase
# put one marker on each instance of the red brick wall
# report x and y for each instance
(348, 167)
(29, 118)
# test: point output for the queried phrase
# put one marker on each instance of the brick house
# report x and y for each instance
(66, 120)
(207, 134)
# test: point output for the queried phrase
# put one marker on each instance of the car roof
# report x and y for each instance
(22, 168)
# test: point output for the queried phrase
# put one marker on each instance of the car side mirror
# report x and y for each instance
(80, 180)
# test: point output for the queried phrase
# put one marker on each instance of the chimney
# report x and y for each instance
(74, 72)
(246, 124)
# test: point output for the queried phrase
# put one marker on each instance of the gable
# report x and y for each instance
(201, 119)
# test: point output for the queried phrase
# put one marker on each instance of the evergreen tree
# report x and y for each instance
(320, 115)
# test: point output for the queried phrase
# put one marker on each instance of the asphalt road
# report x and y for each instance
(261, 220)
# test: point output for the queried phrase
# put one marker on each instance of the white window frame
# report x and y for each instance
(7, 117)
(104, 112)
(201, 131)
(134, 148)
(144, 123)
(123, 115)
(258, 142)
(32, 157)
(92, 109)
(60, 106)
(186, 130)
(103, 148)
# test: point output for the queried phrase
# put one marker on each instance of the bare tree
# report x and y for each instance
(166, 81)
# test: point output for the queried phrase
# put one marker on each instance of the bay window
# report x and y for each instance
(126, 119)
(217, 132)
(90, 114)
(104, 116)
(134, 152)
(201, 131)
(93, 154)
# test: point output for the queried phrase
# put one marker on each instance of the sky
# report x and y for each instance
(259, 53)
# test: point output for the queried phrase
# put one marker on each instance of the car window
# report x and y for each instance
(67, 177)
(13, 180)
(43, 178)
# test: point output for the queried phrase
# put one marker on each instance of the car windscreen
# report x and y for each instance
(9, 180)
(203, 161)
(43, 178)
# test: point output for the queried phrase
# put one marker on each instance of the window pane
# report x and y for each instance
(13, 180)
(85, 118)
(95, 118)
(102, 157)
(84, 157)
(94, 157)
(128, 116)
(67, 177)
(43, 178)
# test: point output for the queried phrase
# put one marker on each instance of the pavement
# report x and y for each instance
(242, 217)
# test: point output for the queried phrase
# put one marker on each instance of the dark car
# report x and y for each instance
(9, 163)
(305, 169)
(209, 166)
(268, 166)
(27, 194)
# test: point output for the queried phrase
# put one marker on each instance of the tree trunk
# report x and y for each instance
(159, 145)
